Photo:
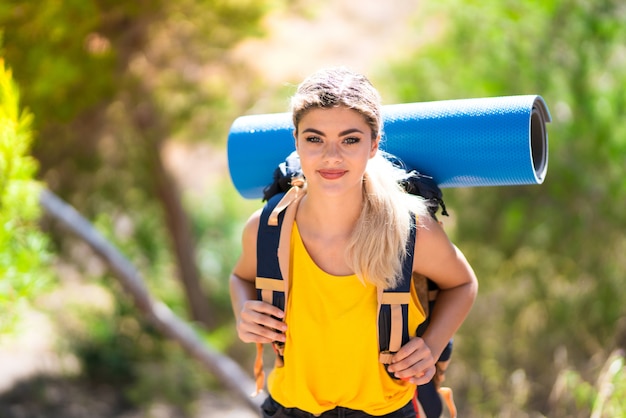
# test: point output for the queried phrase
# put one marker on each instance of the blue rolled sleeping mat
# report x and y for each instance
(496, 141)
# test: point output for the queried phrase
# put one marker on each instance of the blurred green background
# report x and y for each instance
(123, 110)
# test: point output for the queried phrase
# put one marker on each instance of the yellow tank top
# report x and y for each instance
(331, 352)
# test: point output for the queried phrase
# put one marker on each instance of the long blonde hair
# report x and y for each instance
(378, 244)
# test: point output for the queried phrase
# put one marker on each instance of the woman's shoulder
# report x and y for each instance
(429, 229)
(431, 241)
(437, 258)
(251, 227)
(245, 267)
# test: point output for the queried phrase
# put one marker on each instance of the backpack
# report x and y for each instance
(282, 197)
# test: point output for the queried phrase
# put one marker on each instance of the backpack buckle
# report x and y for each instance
(385, 356)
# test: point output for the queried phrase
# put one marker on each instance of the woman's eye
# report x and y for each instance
(352, 140)
(313, 138)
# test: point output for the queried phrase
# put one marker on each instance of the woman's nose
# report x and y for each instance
(332, 152)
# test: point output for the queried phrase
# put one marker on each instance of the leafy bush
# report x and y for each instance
(574, 396)
(549, 258)
(23, 248)
(117, 348)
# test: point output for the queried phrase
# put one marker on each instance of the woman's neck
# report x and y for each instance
(330, 215)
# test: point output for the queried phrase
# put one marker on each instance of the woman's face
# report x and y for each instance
(334, 145)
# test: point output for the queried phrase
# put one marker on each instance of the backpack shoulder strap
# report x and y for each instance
(393, 307)
(272, 275)
(269, 280)
(273, 245)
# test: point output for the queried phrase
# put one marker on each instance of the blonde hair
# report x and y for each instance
(378, 244)
(335, 87)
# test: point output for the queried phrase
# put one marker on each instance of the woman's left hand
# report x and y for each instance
(414, 362)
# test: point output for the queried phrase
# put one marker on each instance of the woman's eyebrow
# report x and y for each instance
(342, 133)
(350, 131)
(313, 130)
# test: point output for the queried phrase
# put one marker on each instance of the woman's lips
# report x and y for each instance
(331, 174)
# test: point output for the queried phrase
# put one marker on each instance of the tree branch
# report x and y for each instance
(223, 367)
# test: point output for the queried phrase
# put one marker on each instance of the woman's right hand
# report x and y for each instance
(258, 324)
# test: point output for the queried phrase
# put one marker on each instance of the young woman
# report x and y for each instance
(348, 239)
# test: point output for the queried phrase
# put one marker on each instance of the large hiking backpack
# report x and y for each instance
(272, 282)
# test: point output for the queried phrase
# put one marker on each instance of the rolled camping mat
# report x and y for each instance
(496, 141)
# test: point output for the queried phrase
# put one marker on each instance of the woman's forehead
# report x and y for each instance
(335, 116)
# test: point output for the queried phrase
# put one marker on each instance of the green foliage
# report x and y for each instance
(549, 257)
(217, 217)
(68, 60)
(115, 347)
(194, 78)
(23, 248)
(111, 81)
(574, 396)
(45, 41)
(141, 237)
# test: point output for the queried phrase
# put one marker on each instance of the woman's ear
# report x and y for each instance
(375, 143)
(295, 138)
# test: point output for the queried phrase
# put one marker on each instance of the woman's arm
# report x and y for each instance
(441, 261)
(438, 259)
(254, 318)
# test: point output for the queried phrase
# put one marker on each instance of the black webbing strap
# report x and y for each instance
(393, 314)
(269, 280)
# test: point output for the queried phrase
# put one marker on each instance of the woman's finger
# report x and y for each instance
(257, 324)
(425, 377)
(413, 361)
